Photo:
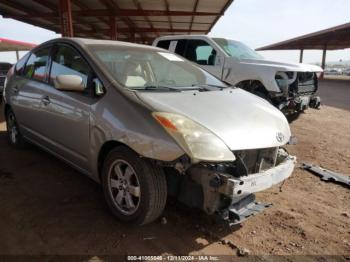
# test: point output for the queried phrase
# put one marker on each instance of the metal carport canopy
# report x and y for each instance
(128, 20)
(14, 45)
(333, 38)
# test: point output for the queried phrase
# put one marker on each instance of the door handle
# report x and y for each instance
(46, 100)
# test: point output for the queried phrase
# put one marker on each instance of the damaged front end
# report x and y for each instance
(297, 91)
(226, 189)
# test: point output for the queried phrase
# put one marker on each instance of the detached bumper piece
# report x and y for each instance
(327, 175)
(242, 210)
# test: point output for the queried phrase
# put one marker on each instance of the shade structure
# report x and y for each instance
(14, 45)
(128, 20)
(333, 38)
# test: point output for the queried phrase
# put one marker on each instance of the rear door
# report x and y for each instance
(27, 92)
(67, 113)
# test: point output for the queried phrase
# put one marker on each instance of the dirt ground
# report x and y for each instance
(46, 207)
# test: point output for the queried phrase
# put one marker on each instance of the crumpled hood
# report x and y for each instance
(240, 119)
(281, 66)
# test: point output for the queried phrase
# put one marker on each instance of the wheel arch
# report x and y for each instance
(107, 147)
(253, 85)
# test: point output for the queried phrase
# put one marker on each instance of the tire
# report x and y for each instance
(134, 188)
(294, 116)
(13, 133)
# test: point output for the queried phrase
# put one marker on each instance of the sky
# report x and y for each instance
(254, 22)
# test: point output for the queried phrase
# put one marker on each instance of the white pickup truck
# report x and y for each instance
(290, 87)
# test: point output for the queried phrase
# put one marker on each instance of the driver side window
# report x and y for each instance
(67, 61)
(200, 52)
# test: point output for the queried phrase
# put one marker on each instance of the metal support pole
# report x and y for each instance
(323, 60)
(133, 37)
(113, 28)
(65, 12)
(301, 55)
(17, 55)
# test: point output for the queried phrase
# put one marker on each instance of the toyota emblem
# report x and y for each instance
(280, 137)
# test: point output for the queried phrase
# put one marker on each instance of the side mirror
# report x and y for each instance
(69, 83)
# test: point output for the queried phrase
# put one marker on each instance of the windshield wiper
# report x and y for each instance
(208, 87)
(169, 88)
(159, 88)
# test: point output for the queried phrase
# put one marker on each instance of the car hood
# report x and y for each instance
(281, 66)
(241, 120)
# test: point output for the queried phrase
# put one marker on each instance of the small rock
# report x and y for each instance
(232, 245)
(253, 232)
(224, 241)
(279, 243)
(292, 244)
(243, 252)
(344, 214)
(164, 221)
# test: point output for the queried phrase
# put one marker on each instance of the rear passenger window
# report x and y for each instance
(67, 61)
(36, 65)
(164, 44)
(20, 64)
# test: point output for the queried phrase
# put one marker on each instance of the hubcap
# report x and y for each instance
(12, 128)
(124, 187)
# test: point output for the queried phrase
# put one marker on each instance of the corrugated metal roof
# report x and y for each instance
(332, 38)
(146, 19)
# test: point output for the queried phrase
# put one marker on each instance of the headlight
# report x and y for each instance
(197, 141)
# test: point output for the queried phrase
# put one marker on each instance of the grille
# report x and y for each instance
(3, 72)
(306, 83)
(256, 160)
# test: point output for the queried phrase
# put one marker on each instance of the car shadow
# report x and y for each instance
(49, 208)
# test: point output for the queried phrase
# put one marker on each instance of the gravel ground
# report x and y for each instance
(48, 208)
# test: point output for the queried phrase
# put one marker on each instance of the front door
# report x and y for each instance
(202, 53)
(68, 113)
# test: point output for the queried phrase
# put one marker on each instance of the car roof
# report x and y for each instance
(5, 65)
(88, 41)
(169, 37)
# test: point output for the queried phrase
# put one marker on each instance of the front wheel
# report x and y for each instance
(134, 188)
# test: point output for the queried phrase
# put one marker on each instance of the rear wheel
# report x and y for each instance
(134, 188)
(13, 132)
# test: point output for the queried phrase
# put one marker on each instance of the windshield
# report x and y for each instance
(237, 49)
(146, 69)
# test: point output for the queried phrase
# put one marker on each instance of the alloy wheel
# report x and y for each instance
(124, 187)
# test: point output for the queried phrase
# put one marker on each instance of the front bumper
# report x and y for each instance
(243, 204)
(261, 181)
